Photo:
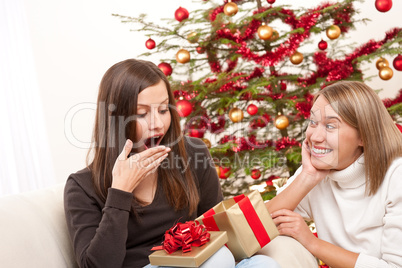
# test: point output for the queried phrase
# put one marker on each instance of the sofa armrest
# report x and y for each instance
(33, 230)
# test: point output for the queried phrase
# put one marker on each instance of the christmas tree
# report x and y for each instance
(245, 73)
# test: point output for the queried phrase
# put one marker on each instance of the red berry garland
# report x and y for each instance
(283, 86)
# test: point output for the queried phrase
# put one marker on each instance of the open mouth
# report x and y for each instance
(153, 141)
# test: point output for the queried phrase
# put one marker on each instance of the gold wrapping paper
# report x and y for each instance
(229, 217)
(195, 258)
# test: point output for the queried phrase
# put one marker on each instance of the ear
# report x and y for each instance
(360, 142)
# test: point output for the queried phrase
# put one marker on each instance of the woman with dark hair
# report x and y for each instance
(350, 184)
(142, 177)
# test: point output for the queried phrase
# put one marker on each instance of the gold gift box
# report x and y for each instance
(230, 218)
(194, 258)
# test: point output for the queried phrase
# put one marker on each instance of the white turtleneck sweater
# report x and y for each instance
(346, 217)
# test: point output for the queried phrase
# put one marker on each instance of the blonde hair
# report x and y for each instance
(359, 106)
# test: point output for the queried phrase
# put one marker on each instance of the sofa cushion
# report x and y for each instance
(33, 230)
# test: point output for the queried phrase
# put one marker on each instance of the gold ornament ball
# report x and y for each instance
(281, 122)
(265, 32)
(218, 171)
(192, 37)
(386, 73)
(236, 115)
(333, 32)
(274, 37)
(183, 56)
(381, 62)
(207, 143)
(270, 188)
(296, 58)
(230, 9)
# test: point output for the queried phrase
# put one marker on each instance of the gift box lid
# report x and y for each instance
(195, 258)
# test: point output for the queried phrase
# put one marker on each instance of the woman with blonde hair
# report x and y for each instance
(350, 184)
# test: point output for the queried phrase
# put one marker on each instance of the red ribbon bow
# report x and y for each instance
(184, 235)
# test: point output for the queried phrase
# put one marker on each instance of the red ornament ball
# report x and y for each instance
(252, 109)
(399, 127)
(397, 63)
(150, 44)
(166, 68)
(322, 45)
(181, 14)
(255, 174)
(184, 108)
(224, 172)
(196, 133)
(200, 50)
(271, 1)
(383, 5)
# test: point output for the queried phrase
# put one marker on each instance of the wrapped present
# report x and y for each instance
(187, 245)
(246, 220)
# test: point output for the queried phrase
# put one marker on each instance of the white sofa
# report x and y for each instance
(33, 230)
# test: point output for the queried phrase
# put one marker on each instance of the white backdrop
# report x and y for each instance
(25, 157)
(76, 41)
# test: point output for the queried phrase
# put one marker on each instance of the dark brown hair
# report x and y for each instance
(117, 103)
(359, 106)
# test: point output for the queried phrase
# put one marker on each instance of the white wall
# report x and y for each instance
(76, 41)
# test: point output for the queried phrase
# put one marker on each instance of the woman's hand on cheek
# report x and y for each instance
(306, 154)
(308, 167)
(291, 224)
(128, 172)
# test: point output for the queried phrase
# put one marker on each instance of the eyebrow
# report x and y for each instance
(329, 117)
(333, 117)
(147, 105)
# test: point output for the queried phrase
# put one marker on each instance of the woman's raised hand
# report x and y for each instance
(308, 168)
(128, 172)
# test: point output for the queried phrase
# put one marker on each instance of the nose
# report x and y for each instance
(155, 121)
(318, 134)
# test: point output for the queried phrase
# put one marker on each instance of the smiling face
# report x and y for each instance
(334, 144)
(153, 115)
